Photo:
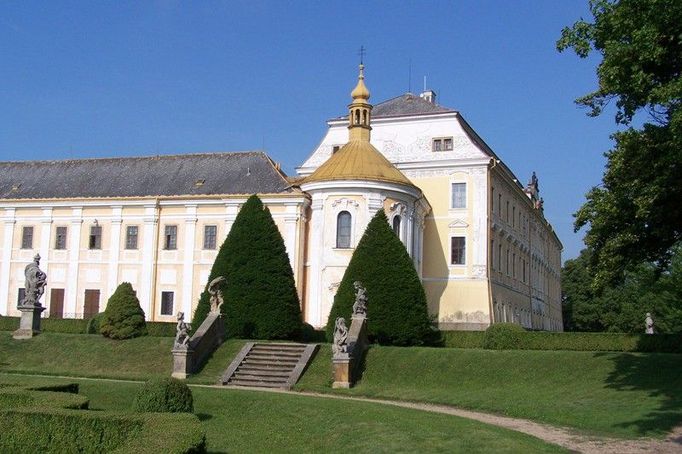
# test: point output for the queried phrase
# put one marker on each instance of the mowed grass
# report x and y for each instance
(617, 394)
(82, 355)
(248, 421)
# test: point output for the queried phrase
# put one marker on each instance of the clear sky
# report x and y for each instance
(116, 78)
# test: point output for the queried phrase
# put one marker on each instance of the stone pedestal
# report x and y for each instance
(182, 362)
(342, 371)
(29, 325)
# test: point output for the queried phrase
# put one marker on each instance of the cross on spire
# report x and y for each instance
(362, 53)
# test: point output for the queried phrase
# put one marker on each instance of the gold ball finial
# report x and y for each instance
(360, 92)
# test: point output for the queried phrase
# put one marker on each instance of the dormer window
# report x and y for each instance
(442, 144)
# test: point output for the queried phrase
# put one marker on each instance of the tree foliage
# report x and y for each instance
(123, 318)
(397, 311)
(260, 295)
(622, 307)
(635, 215)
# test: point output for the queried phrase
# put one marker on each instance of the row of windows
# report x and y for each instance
(91, 302)
(437, 143)
(512, 217)
(512, 263)
(344, 225)
(131, 240)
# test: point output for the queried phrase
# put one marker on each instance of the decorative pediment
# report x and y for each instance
(398, 208)
(458, 223)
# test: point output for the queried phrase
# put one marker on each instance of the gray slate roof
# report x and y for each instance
(170, 175)
(404, 105)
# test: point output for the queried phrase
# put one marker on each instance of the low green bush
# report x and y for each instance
(94, 324)
(310, 334)
(9, 323)
(463, 339)
(161, 329)
(20, 397)
(503, 336)
(64, 325)
(164, 395)
(58, 431)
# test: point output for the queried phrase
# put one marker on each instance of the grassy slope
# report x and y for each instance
(245, 421)
(95, 356)
(621, 394)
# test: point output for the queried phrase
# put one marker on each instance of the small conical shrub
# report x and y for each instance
(123, 318)
(397, 310)
(260, 295)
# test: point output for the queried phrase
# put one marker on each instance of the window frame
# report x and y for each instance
(129, 236)
(440, 144)
(166, 293)
(462, 250)
(170, 237)
(458, 184)
(27, 240)
(60, 246)
(206, 246)
(96, 235)
(338, 229)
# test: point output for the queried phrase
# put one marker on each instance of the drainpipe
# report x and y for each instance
(489, 257)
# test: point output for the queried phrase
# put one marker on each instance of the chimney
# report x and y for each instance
(429, 95)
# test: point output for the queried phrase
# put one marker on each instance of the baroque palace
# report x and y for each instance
(478, 238)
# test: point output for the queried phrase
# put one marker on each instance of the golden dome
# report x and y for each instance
(358, 160)
(360, 92)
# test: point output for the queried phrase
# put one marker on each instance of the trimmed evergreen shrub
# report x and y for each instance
(397, 311)
(164, 395)
(123, 318)
(260, 295)
(463, 339)
(503, 336)
(161, 329)
(94, 324)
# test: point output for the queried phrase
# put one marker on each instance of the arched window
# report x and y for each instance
(343, 223)
(396, 225)
(357, 117)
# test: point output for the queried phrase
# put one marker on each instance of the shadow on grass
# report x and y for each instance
(204, 416)
(659, 374)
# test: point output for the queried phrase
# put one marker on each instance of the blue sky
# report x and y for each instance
(110, 78)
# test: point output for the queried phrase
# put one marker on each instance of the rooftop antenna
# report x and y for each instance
(409, 77)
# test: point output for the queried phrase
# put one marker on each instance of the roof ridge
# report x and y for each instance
(157, 156)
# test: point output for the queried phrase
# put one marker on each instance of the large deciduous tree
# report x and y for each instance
(635, 216)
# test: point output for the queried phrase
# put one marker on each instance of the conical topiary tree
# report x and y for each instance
(123, 318)
(260, 293)
(397, 311)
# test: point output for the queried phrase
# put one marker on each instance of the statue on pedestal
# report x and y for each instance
(340, 345)
(216, 293)
(35, 282)
(360, 305)
(182, 333)
(649, 324)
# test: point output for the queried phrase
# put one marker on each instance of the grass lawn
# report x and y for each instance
(247, 421)
(618, 394)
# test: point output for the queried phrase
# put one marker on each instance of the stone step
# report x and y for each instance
(274, 361)
(279, 347)
(283, 355)
(264, 370)
(257, 377)
(254, 383)
(274, 358)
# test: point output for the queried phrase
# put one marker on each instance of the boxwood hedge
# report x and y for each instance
(80, 326)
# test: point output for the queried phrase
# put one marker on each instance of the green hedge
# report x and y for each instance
(503, 336)
(164, 395)
(80, 326)
(19, 397)
(57, 431)
(573, 341)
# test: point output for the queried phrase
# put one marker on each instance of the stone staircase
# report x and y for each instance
(268, 365)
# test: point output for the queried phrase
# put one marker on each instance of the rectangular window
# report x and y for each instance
(167, 303)
(524, 270)
(514, 265)
(513, 216)
(499, 205)
(492, 199)
(170, 237)
(499, 258)
(60, 238)
(20, 296)
(131, 237)
(210, 235)
(442, 144)
(459, 195)
(507, 262)
(27, 238)
(457, 250)
(507, 211)
(95, 241)
(492, 254)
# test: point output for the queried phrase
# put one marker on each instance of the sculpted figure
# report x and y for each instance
(340, 344)
(360, 305)
(182, 332)
(35, 283)
(216, 293)
(649, 324)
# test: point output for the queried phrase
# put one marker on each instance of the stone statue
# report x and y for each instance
(340, 344)
(35, 283)
(360, 305)
(216, 293)
(649, 324)
(182, 332)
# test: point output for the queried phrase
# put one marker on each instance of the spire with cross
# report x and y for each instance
(362, 53)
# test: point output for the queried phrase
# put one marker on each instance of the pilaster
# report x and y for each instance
(115, 248)
(188, 259)
(7, 242)
(71, 290)
(150, 232)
